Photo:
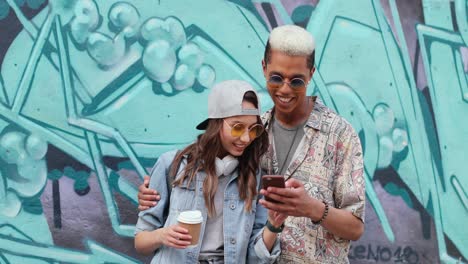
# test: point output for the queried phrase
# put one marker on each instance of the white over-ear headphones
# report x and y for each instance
(226, 165)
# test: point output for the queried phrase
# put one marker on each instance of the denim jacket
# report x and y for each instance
(242, 230)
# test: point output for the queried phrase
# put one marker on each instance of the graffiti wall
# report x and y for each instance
(92, 92)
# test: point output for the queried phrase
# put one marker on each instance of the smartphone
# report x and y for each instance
(272, 181)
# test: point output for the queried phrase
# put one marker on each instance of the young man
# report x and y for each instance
(317, 151)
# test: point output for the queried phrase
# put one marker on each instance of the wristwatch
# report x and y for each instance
(274, 229)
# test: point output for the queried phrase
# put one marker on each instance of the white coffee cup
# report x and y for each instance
(191, 220)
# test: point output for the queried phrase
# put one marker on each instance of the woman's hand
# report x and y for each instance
(146, 242)
(276, 219)
(175, 236)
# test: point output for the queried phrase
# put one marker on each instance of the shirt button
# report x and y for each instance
(233, 241)
(232, 206)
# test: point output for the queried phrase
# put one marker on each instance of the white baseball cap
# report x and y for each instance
(225, 100)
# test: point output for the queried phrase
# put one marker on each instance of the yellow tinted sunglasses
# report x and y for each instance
(238, 129)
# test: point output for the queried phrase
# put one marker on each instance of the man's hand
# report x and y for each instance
(293, 201)
(147, 197)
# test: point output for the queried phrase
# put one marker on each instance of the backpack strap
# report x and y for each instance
(169, 176)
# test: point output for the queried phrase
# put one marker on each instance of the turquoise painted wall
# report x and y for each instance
(91, 92)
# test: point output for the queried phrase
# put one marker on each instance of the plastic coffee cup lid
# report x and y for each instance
(190, 217)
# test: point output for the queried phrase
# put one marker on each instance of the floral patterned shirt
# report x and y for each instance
(329, 162)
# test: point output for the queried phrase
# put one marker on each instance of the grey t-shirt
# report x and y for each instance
(212, 247)
(286, 142)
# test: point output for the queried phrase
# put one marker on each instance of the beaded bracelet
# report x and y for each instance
(325, 213)
(274, 229)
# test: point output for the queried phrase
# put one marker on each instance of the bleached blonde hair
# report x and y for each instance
(293, 41)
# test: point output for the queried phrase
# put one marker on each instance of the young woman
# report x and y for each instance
(218, 175)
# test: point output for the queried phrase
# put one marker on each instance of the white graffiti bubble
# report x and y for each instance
(105, 50)
(12, 147)
(85, 21)
(385, 152)
(79, 32)
(206, 76)
(11, 205)
(170, 29)
(36, 147)
(184, 77)
(159, 61)
(191, 55)
(87, 11)
(125, 16)
(155, 29)
(400, 139)
(34, 178)
(166, 87)
(384, 119)
(177, 32)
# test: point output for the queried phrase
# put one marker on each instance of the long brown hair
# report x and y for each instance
(201, 155)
